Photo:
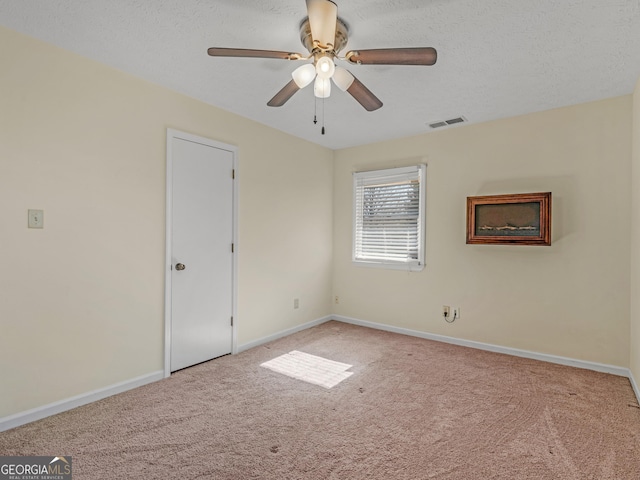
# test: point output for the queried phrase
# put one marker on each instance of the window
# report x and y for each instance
(389, 219)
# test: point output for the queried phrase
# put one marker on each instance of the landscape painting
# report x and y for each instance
(523, 219)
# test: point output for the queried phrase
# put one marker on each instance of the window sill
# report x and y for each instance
(407, 267)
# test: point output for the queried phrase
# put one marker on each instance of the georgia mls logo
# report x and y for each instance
(63, 462)
(35, 468)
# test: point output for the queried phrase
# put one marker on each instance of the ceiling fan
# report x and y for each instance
(324, 35)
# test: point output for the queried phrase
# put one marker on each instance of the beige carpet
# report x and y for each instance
(413, 409)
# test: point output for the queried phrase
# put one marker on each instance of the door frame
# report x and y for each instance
(176, 134)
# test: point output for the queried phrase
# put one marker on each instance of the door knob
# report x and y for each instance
(180, 266)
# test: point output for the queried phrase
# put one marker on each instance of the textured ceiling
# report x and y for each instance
(496, 58)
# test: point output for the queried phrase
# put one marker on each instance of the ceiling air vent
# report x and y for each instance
(446, 123)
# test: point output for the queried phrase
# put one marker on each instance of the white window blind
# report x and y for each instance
(389, 217)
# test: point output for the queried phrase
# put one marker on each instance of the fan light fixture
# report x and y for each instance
(343, 79)
(325, 67)
(304, 75)
(322, 87)
(323, 71)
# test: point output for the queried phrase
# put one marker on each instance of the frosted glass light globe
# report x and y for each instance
(304, 75)
(322, 87)
(325, 67)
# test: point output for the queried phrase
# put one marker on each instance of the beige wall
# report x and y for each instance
(571, 299)
(82, 300)
(635, 241)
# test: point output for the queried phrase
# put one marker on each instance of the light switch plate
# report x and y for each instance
(36, 219)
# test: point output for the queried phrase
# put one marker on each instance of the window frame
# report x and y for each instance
(411, 265)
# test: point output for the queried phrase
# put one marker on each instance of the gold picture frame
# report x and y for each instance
(515, 219)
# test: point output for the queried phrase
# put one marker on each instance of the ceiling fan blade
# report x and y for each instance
(394, 56)
(364, 96)
(245, 52)
(283, 95)
(323, 18)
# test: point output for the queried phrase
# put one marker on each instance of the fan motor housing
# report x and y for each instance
(342, 36)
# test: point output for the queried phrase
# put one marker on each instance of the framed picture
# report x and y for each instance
(518, 219)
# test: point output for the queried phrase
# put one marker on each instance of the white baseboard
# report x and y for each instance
(283, 333)
(38, 413)
(634, 384)
(598, 367)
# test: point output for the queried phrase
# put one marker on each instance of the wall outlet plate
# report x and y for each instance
(456, 313)
(36, 219)
(446, 311)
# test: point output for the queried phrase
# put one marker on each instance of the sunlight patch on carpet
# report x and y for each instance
(309, 368)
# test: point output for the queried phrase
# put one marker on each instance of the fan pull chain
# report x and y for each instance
(315, 113)
(315, 110)
(322, 115)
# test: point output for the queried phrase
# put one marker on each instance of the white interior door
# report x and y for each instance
(201, 270)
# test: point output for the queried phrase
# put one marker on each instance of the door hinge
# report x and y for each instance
(232, 321)
(233, 174)
(233, 248)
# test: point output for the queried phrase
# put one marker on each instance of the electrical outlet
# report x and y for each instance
(36, 219)
(446, 310)
(296, 303)
(337, 300)
(456, 313)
